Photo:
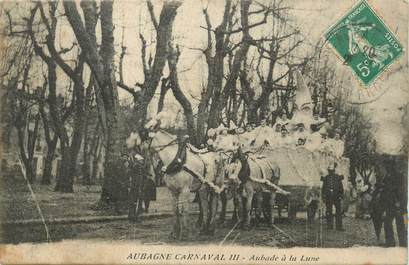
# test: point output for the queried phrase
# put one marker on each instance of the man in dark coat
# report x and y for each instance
(122, 169)
(149, 193)
(332, 195)
(137, 178)
(389, 199)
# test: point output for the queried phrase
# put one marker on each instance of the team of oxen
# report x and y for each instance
(249, 179)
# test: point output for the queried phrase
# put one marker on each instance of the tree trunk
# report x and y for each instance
(31, 176)
(86, 169)
(94, 168)
(252, 116)
(263, 109)
(48, 164)
(102, 68)
(65, 179)
(96, 156)
(180, 97)
(70, 152)
(27, 155)
(201, 125)
(163, 90)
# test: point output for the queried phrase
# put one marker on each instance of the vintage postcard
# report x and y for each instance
(204, 132)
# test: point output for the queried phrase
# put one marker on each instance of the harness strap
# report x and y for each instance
(271, 168)
(260, 168)
(197, 151)
(267, 182)
(201, 178)
(216, 188)
(204, 165)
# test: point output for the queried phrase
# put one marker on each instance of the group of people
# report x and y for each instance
(303, 130)
(142, 188)
(311, 134)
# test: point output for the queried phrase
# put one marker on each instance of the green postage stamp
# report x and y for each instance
(366, 44)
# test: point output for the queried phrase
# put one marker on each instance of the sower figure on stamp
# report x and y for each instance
(137, 176)
(332, 195)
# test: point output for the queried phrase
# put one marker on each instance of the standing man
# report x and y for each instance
(137, 176)
(311, 198)
(332, 195)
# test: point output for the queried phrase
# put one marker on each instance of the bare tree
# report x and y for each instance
(153, 67)
(272, 69)
(221, 84)
(173, 58)
(101, 62)
(50, 136)
(23, 109)
(215, 64)
(88, 132)
(70, 146)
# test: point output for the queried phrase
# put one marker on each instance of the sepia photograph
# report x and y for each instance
(204, 132)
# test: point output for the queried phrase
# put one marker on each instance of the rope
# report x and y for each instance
(23, 169)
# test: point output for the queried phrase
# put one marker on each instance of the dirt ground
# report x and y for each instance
(157, 231)
(16, 203)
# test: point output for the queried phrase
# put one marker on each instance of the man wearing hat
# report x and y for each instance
(300, 135)
(284, 139)
(282, 119)
(137, 173)
(332, 195)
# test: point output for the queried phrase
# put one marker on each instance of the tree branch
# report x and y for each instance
(152, 14)
(50, 42)
(263, 21)
(10, 24)
(146, 69)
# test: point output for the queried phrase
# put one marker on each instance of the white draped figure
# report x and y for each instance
(313, 142)
(285, 140)
(300, 133)
(283, 120)
(247, 137)
(211, 133)
(261, 135)
(339, 148)
(335, 146)
(226, 142)
(304, 111)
